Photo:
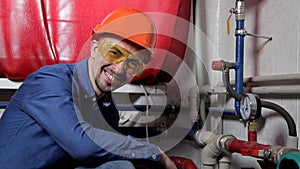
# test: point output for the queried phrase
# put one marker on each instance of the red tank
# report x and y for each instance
(38, 33)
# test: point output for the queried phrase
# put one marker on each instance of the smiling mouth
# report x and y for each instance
(112, 77)
(109, 76)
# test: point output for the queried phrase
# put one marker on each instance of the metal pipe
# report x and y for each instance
(239, 58)
(263, 84)
(252, 131)
(214, 145)
(272, 78)
(240, 18)
(251, 148)
(288, 89)
(246, 148)
(230, 112)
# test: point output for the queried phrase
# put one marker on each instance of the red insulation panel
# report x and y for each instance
(37, 33)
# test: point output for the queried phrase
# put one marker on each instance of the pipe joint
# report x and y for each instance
(275, 152)
(222, 65)
(240, 10)
(214, 145)
(223, 143)
(241, 32)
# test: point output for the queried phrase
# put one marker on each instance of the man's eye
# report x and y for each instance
(114, 54)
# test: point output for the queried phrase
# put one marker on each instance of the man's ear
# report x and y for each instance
(94, 48)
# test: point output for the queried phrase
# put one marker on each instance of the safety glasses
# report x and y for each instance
(115, 54)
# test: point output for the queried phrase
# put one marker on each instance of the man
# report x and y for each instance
(63, 115)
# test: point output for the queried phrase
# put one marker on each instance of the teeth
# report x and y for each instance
(110, 76)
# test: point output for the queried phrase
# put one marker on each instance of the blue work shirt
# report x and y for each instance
(54, 120)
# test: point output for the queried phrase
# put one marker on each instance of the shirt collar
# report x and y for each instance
(82, 78)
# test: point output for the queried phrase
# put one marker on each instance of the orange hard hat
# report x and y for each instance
(131, 24)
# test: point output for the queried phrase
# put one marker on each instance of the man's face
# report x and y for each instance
(115, 62)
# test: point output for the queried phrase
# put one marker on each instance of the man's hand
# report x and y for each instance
(165, 161)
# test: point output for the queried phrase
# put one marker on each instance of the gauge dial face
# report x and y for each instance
(245, 107)
(249, 107)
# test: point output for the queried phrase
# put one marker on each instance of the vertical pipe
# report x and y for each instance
(252, 131)
(240, 18)
(225, 161)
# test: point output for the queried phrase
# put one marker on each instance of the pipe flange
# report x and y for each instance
(241, 32)
(223, 143)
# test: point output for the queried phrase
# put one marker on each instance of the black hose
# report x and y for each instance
(288, 118)
(228, 87)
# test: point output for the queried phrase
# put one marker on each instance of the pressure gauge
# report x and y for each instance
(250, 107)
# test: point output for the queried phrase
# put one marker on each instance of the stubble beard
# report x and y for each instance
(100, 85)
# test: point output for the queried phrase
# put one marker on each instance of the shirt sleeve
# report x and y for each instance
(47, 97)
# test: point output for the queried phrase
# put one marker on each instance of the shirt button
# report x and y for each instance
(94, 98)
(132, 154)
(153, 156)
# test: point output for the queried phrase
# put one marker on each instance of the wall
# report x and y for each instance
(276, 18)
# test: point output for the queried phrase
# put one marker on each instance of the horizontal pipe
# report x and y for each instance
(269, 78)
(206, 90)
(230, 112)
(288, 89)
(278, 89)
(271, 153)
(247, 148)
(215, 145)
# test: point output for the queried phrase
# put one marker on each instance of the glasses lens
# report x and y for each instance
(112, 52)
(116, 54)
(134, 66)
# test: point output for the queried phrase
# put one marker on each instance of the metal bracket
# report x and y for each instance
(243, 32)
